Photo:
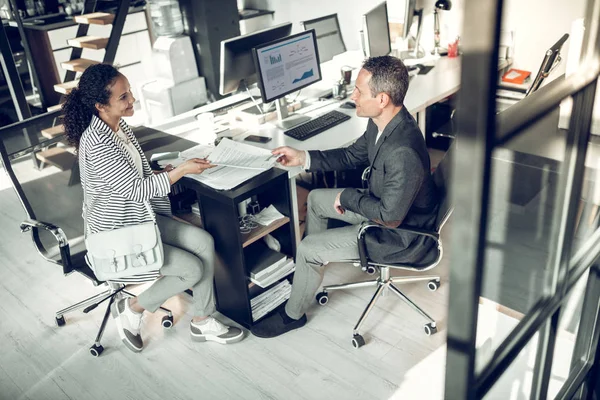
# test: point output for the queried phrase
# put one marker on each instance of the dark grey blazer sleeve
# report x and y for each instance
(350, 157)
(402, 178)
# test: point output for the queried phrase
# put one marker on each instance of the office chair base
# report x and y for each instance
(357, 341)
(430, 329)
(167, 321)
(82, 304)
(60, 321)
(384, 283)
(96, 350)
(115, 290)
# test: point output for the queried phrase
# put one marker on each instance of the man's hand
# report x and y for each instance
(290, 157)
(337, 205)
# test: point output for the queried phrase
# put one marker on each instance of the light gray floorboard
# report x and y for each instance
(42, 361)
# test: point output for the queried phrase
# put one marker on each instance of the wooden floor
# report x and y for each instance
(42, 361)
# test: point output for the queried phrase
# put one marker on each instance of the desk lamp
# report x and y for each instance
(439, 5)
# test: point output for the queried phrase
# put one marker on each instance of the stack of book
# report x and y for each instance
(270, 299)
(266, 265)
(267, 278)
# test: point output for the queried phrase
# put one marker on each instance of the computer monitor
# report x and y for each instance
(376, 32)
(329, 36)
(409, 13)
(550, 61)
(236, 56)
(284, 66)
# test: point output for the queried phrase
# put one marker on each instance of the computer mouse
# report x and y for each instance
(348, 104)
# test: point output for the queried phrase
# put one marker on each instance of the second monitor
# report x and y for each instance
(284, 66)
(329, 36)
(376, 32)
(236, 57)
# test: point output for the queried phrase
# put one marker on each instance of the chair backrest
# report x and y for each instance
(48, 194)
(441, 177)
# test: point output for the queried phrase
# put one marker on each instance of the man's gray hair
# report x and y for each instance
(388, 75)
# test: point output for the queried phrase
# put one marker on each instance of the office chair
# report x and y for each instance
(384, 281)
(51, 195)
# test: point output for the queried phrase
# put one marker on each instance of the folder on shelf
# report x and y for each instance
(516, 76)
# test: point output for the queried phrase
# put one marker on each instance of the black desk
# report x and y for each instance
(220, 217)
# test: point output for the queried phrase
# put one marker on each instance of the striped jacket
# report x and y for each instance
(115, 195)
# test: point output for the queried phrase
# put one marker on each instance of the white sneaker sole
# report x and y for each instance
(116, 316)
(213, 338)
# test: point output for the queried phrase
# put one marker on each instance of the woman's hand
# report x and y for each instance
(191, 166)
(195, 166)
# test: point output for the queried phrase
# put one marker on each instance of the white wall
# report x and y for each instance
(537, 23)
(349, 14)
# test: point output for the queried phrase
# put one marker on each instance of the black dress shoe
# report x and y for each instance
(277, 324)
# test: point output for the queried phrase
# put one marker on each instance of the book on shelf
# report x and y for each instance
(262, 260)
(283, 271)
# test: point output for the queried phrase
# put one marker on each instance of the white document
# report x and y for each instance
(241, 155)
(225, 178)
(220, 177)
(200, 151)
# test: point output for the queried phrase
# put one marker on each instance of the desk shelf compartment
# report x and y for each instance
(262, 231)
(219, 212)
(266, 265)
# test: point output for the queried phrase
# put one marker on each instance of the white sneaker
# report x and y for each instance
(213, 330)
(128, 324)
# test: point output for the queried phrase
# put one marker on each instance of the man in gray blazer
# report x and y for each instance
(400, 191)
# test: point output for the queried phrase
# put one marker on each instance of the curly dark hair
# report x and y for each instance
(388, 75)
(80, 105)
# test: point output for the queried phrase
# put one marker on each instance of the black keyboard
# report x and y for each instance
(317, 125)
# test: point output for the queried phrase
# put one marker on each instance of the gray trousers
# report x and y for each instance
(189, 264)
(321, 246)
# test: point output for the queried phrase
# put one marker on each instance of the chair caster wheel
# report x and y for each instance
(95, 351)
(433, 285)
(60, 321)
(430, 329)
(322, 298)
(358, 341)
(370, 270)
(167, 321)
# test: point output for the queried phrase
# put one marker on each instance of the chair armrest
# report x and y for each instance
(362, 247)
(402, 228)
(59, 235)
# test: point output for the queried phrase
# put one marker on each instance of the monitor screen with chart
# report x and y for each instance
(287, 65)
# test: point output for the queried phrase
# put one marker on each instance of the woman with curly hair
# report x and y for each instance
(118, 184)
